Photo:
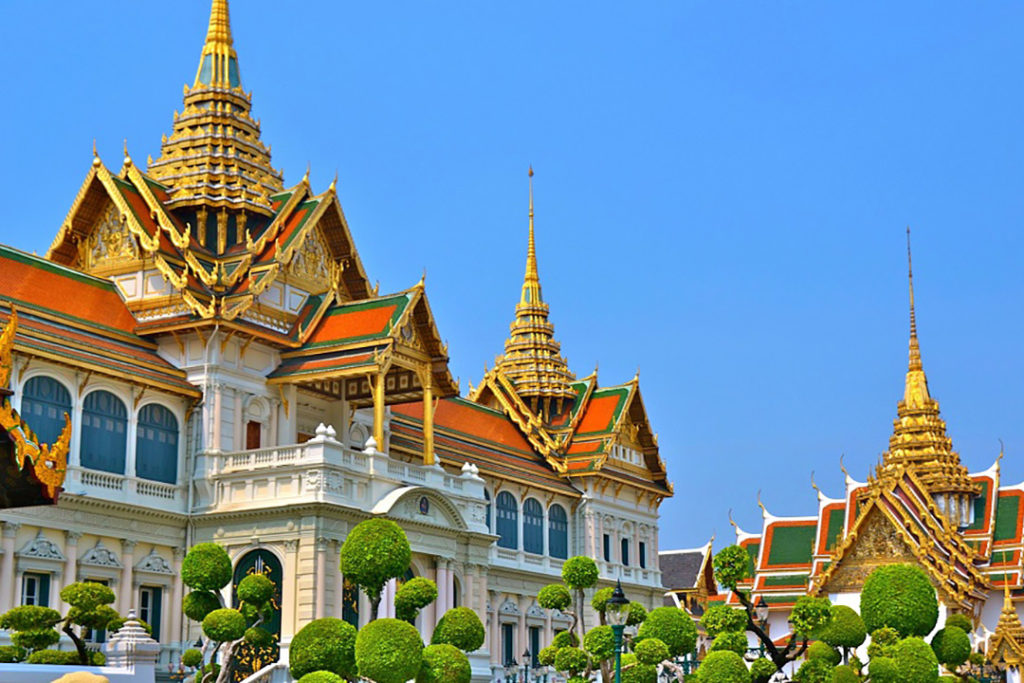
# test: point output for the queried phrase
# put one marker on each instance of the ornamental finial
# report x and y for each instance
(915, 349)
(842, 467)
(95, 155)
(305, 178)
(764, 510)
(218, 64)
(531, 250)
(813, 484)
(334, 183)
(127, 156)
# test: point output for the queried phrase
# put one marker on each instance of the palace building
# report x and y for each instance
(202, 345)
(920, 506)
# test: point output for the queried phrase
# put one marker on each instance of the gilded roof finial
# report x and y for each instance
(915, 349)
(764, 510)
(531, 250)
(334, 183)
(95, 155)
(813, 484)
(732, 521)
(305, 178)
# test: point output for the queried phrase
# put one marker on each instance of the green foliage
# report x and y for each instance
(723, 666)
(327, 644)
(845, 629)
(640, 673)
(825, 652)
(637, 614)
(546, 656)
(322, 677)
(731, 566)
(651, 651)
(375, 551)
(976, 659)
(730, 640)
(444, 663)
(722, 619)
(899, 596)
(98, 618)
(882, 642)
(412, 596)
(98, 658)
(11, 653)
(258, 636)
(952, 646)
(198, 604)
(915, 661)
(554, 596)
(192, 657)
(844, 674)
(116, 624)
(87, 595)
(29, 618)
(565, 639)
(35, 640)
(762, 669)
(206, 567)
(460, 627)
(601, 597)
(54, 657)
(256, 589)
(222, 625)
(810, 615)
(671, 626)
(961, 621)
(388, 650)
(577, 679)
(599, 642)
(571, 659)
(814, 671)
(579, 572)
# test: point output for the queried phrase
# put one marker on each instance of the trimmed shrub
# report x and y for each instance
(222, 625)
(952, 646)
(388, 650)
(899, 596)
(35, 640)
(192, 658)
(825, 652)
(844, 674)
(722, 619)
(810, 615)
(375, 551)
(762, 669)
(98, 618)
(115, 625)
(599, 642)
(651, 651)
(546, 657)
(601, 596)
(327, 644)
(206, 567)
(882, 642)
(54, 657)
(322, 677)
(637, 614)
(198, 604)
(915, 661)
(258, 636)
(554, 596)
(723, 666)
(87, 595)
(883, 670)
(460, 627)
(732, 641)
(961, 621)
(565, 639)
(571, 659)
(579, 572)
(814, 671)
(255, 589)
(640, 673)
(444, 663)
(732, 565)
(671, 626)
(846, 629)
(11, 653)
(412, 596)
(29, 618)
(98, 658)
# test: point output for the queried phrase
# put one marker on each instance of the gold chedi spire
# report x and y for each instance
(919, 441)
(214, 161)
(532, 359)
(1006, 646)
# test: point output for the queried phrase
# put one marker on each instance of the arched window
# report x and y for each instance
(44, 401)
(104, 432)
(156, 448)
(533, 527)
(487, 495)
(507, 521)
(558, 532)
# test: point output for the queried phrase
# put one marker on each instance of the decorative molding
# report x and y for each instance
(72, 537)
(11, 529)
(128, 547)
(154, 564)
(100, 556)
(41, 548)
(536, 611)
(510, 607)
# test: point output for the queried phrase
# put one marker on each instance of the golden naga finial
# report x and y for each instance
(305, 178)
(842, 467)
(7, 349)
(732, 522)
(1000, 456)
(127, 156)
(334, 183)
(915, 349)
(764, 510)
(813, 484)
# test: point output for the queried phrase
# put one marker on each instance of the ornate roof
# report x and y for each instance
(214, 158)
(1007, 644)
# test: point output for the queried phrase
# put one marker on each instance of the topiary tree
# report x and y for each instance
(389, 651)
(719, 619)
(32, 630)
(579, 573)
(952, 645)
(730, 640)
(901, 597)
(375, 551)
(825, 652)
(599, 643)
(90, 609)
(327, 644)
(412, 596)
(814, 671)
(915, 661)
(461, 628)
(443, 663)
(844, 674)
(845, 631)
(723, 666)
(761, 670)
(322, 677)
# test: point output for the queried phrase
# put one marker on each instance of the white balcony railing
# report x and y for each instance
(121, 488)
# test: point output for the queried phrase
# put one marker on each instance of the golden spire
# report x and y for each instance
(532, 359)
(218, 63)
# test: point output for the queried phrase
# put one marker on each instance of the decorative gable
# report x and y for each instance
(100, 556)
(41, 548)
(154, 564)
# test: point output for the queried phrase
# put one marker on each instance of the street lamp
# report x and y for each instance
(617, 612)
(761, 613)
(526, 665)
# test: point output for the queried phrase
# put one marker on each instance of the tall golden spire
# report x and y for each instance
(532, 359)
(214, 161)
(919, 441)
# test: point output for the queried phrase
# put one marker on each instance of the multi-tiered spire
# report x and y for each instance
(919, 441)
(532, 360)
(217, 169)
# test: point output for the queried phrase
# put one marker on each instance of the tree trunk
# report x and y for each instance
(374, 606)
(579, 611)
(83, 654)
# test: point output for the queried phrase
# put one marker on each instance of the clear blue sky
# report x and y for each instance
(721, 194)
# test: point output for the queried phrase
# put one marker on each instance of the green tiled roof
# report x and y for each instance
(786, 580)
(834, 527)
(791, 545)
(1006, 518)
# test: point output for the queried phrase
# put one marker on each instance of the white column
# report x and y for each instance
(239, 436)
(443, 588)
(289, 604)
(177, 588)
(70, 560)
(10, 533)
(495, 630)
(127, 597)
(522, 637)
(339, 581)
(320, 579)
(218, 391)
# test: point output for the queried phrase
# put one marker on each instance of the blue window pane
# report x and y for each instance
(156, 447)
(507, 520)
(104, 432)
(558, 532)
(43, 404)
(487, 495)
(533, 526)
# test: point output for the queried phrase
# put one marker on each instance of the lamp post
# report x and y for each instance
(617, 612)
(761, 614)
(526, 665)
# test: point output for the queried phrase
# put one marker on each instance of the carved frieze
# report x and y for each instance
(40, 548)
(100, 556)
(155, 564)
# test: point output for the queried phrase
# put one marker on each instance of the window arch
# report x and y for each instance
(533, 526)
(558, 532)
(156, 446)
(44, 401)
(104, 432)
(507, 521)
